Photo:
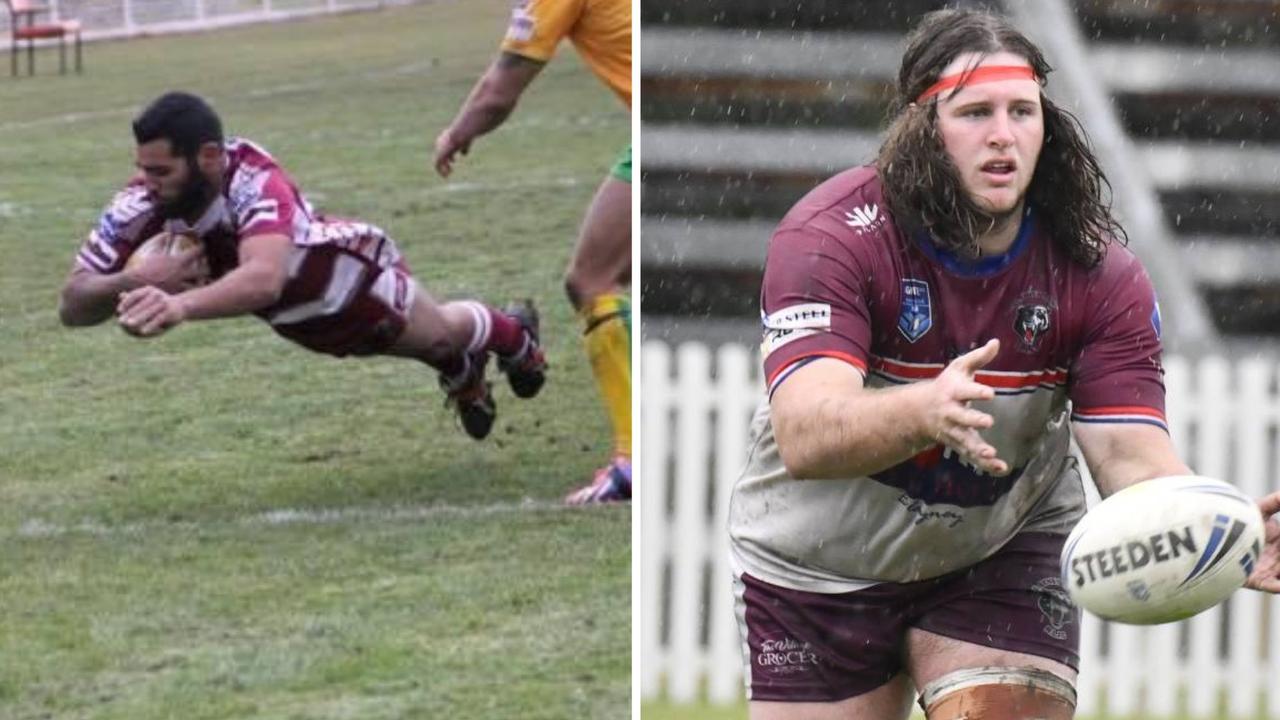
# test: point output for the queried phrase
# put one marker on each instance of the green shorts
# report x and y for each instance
(622, 168)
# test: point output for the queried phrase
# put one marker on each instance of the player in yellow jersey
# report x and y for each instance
(599, 274)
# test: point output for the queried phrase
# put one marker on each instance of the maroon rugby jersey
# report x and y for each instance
(335, 263)
(842, 281)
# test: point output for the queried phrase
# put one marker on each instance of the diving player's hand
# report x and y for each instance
(149, 311)
(1266, 573)
(951, 421)
(171, 273)
(447, 148)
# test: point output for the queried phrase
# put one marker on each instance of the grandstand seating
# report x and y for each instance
(747, 104)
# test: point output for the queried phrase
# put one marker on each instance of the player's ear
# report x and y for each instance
(209, 156)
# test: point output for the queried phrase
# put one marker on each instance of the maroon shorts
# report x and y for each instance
(373, 311)
(814, 647)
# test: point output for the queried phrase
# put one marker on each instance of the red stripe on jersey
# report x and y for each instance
(1119, 410)
(905, 371)
(856, 362)
(1039, 377)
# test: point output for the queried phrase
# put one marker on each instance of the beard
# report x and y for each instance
(192, 199)
(1001, 218)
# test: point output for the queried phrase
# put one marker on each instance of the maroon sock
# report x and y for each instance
(496, 331)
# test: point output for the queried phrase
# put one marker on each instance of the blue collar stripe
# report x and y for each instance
(982, 267)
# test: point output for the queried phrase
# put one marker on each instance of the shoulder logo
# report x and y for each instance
(522, 24)
(865, 217)
(916, 316)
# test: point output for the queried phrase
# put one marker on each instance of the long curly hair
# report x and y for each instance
(923, 189)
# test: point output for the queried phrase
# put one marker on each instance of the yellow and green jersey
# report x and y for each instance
(599, 29)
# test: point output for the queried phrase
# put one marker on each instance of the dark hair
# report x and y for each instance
(922, 186)
(183, 119)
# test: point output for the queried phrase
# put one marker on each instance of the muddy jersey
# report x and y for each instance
(843, 281)
(334, 261)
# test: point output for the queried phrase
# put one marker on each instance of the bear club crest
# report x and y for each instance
(1032, 321)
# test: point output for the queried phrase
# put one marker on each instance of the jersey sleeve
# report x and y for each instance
(1117, 376)
(538, 26)
(813, 303)
(267, 206)
(125, 222)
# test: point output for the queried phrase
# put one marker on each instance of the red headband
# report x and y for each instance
(990, 73)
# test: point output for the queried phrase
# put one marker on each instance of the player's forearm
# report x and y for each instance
(1123, 473)
(1120, 455)
(481, 114)
(246, 289)
(89, 298)
(853, 435)
(488, 106)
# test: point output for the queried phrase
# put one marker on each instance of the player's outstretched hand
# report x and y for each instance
(951, 421)
(149, 311)
(1266, 573)
(447, 148)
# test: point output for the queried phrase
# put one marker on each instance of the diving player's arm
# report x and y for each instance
(490, 103)
(89, 297)
(829, 426)
(256, 283)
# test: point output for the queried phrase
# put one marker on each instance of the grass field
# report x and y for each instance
(217, 524)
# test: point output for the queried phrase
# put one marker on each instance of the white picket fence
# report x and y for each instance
(1224, 416)
(105, 19)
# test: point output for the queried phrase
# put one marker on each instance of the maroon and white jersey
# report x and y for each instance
(842, 281)
(335, 263)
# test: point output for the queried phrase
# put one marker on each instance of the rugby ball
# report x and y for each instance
(167, 243)
(1162, 550)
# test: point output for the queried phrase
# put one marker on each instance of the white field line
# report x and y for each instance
(286, 517)
(465, 187)
(412, 68)
(266, 92)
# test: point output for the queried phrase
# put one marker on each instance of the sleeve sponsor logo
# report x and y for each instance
(796, 317)
(248, 186)
(265, 210)
(108, 230)
(128, 204)
(98, 253)
(522, 25)
(792, 323)
(774, 339)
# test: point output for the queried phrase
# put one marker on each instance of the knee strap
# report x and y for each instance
(999, 693)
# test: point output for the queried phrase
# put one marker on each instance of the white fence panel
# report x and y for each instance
(1223, 416)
